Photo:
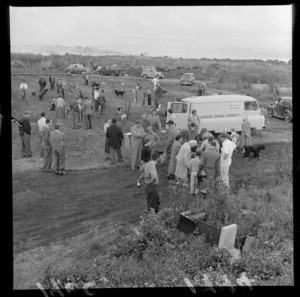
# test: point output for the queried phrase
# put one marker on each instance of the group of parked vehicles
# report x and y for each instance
(217, 113)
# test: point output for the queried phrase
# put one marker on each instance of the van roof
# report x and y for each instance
(218, 98)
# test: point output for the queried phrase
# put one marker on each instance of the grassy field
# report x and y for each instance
(63, 224)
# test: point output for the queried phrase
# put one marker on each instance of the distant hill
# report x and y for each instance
(58, 49)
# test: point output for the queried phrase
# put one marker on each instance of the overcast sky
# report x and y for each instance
(186, 31)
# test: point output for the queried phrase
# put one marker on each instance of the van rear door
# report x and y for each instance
(181, 111)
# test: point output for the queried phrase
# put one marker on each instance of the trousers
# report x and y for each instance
(25, 145)
(75, 120)
(194, 182)
(41, 146)
(59, 159)
(152, 195)
(224, 171)
(87, 121)
(47, 157)
(113, 151)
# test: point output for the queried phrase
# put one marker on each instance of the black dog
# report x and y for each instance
(255, 149)
(43, 93)
(94, 84)
(33, 93)
(53, 106)
(119, 93)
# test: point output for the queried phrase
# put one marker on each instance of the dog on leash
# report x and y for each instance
(121, 93)
(255, 149)
(43, 93)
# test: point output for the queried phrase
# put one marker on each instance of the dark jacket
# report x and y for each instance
(146, 154)
(25, 126)
(114, 135)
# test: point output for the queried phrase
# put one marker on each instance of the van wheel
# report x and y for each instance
(287, 117)
(144, 76)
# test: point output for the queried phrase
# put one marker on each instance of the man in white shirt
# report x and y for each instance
(226, 153)
(23, 87)
(155, 81)
(40, 123)
(96, 98)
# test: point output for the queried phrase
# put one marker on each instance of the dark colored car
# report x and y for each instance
(110, 70)
(77, 69)
(283, 108)
(187, 79)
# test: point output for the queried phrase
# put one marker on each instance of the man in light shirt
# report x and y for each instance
(155, 81)
(151, 180)
(226, 153)
(96, 98)
(40, 123)
(60, 109)
(57, 140)
(23, 87)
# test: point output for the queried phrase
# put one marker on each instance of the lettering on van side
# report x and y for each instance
(219, 116)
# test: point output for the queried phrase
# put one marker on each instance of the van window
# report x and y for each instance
(250, 105)
(179, 107)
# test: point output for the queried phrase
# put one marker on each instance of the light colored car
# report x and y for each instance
(151, 72)
(77, 68)
(187, 79)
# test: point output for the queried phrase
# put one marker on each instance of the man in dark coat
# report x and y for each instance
(52, 82)
(115, 136)
(42, 83)
(25, 133)
(47, 147)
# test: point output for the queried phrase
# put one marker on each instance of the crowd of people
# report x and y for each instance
(193, 156)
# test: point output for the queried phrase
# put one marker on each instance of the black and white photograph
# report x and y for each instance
(152, 147)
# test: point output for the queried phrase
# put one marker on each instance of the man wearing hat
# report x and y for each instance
(226, 152)
(57, 139)
(25, 133)
(137, 137)
(183, 159)
(172, 133)
(154, 120)
(23, 87)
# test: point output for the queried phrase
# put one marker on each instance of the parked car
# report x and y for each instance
(151, 73)
(110, 70)
(283, 108)
(187, 79)
(77, 68)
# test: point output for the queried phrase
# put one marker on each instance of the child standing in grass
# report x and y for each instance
(194, 165)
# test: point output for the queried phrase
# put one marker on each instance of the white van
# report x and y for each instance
(219, 112)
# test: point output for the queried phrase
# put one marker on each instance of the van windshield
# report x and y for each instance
(179, 107)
